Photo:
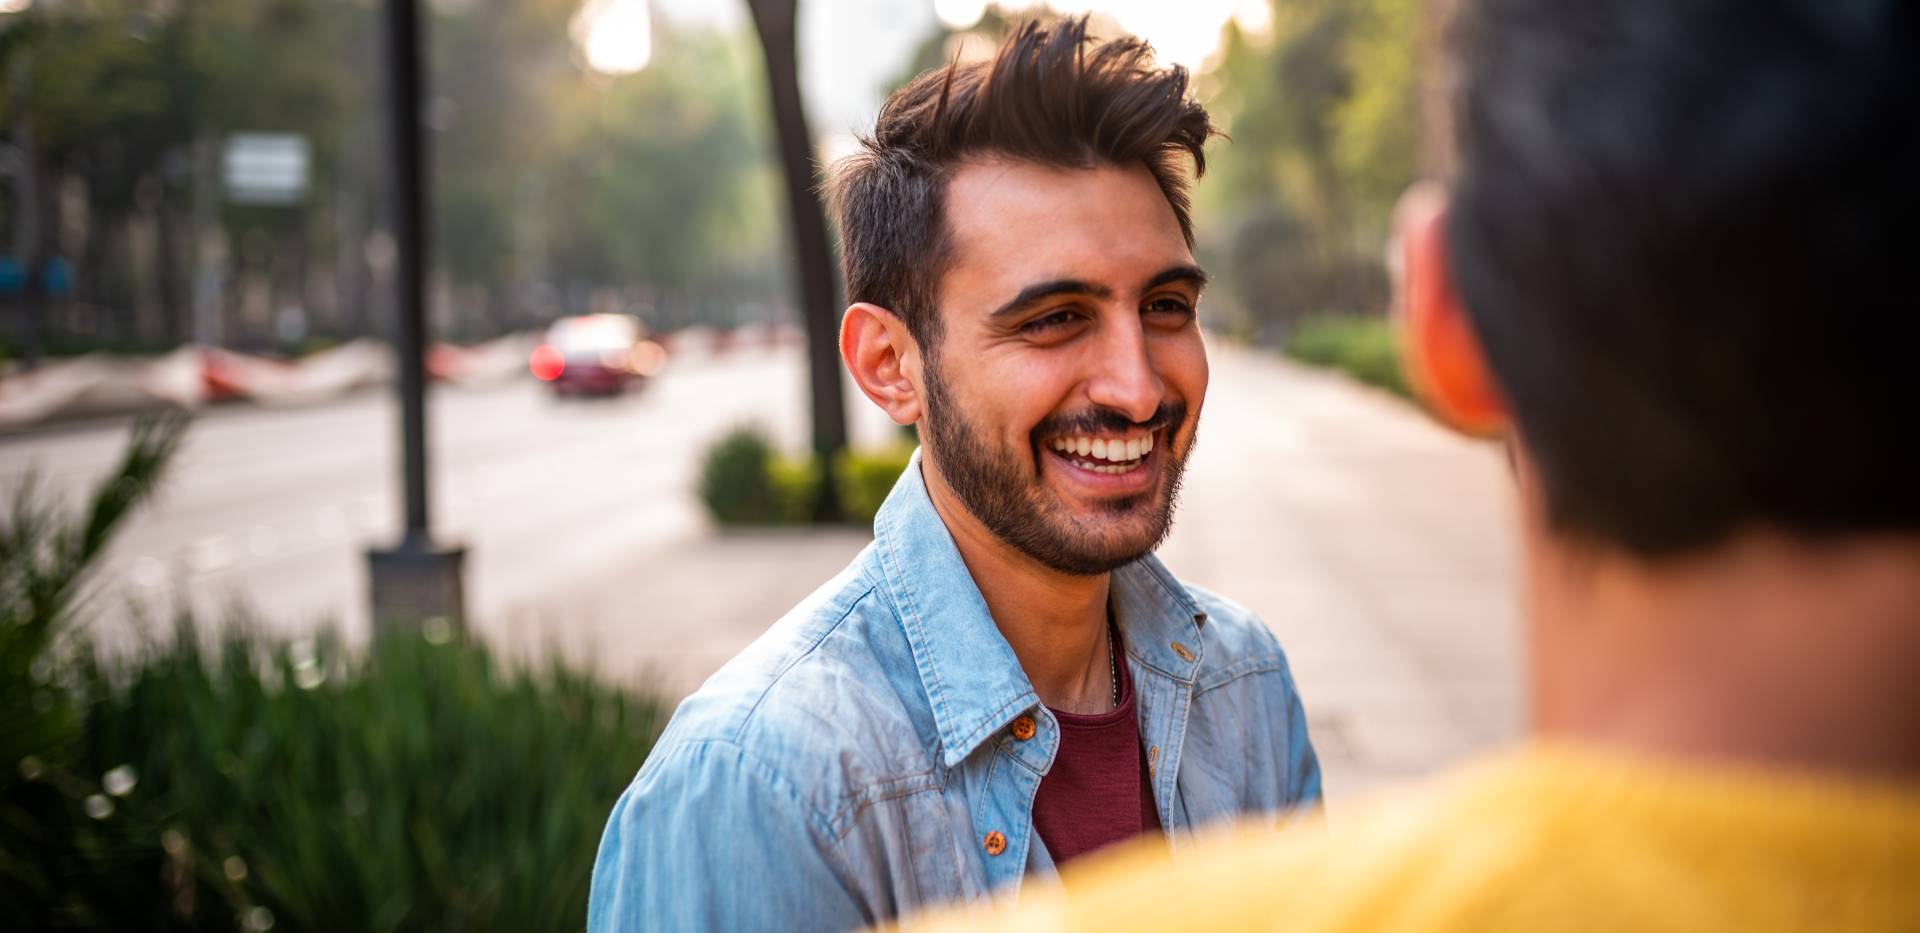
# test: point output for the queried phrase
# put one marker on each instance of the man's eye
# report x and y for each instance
(1054, 321)
(1170, 307)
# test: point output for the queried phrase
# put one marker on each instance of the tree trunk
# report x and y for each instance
(777, 22)
(167, 248)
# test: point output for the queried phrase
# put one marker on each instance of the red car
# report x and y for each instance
(596, 354)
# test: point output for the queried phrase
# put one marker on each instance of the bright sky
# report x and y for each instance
(850, 49)
(615, 35)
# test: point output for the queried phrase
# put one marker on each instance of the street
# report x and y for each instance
(1375, 544)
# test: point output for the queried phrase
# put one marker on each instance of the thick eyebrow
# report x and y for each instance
(1190, 274)
(1039, 292)
(1034, 294)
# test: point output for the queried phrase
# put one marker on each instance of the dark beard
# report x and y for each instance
(1012, 503)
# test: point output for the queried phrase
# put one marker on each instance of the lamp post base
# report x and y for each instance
(417, 581)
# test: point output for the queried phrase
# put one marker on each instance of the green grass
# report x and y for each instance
(1361, 346)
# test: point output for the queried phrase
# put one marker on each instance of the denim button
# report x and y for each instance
(995, 843)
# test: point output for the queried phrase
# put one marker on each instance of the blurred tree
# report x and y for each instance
(119, 94)
(1376, 127)
(498, 69)
(665, 182)
(96, 101)
(553, 184)
(777, 22)
(1323, 111)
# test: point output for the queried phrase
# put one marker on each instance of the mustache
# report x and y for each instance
(1170, 414)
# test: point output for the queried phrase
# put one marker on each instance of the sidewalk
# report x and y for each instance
(1374, 542)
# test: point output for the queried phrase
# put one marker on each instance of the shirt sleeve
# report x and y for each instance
(709, 839)
(1303, 763)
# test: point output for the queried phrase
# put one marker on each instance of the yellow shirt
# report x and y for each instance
(1541, 839)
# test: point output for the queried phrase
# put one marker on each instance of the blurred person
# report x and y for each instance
(1672, 262)
(1007, 678)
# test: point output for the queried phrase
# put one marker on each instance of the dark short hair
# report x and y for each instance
(1679, 230)
(1050, 96)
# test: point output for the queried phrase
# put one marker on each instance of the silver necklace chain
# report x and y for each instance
(1113, 667)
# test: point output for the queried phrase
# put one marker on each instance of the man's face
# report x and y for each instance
(1063, 394)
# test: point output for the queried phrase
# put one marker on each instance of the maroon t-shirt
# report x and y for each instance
(1098, 792)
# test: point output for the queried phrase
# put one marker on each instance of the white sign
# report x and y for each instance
(266, 168)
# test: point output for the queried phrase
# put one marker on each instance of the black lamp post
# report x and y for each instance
(415, 580)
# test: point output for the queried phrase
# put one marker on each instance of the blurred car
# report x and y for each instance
(596, 354)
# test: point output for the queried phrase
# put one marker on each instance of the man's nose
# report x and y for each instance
(1124, 378)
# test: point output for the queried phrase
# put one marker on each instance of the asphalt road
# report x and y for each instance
(1374, 543)
(268, 513)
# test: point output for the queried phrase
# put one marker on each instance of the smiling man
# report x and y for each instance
(1007, 678)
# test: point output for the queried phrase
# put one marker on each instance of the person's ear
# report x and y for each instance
(883, 358)
(1439, 350)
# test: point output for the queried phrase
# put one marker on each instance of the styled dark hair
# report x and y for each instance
(1679, 228)
(1050, 96)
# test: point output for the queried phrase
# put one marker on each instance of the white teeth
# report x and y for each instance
(1102, 453)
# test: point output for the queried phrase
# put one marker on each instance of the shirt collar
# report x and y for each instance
(972, 677)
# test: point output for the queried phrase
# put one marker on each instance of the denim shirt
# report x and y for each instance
(857, 762)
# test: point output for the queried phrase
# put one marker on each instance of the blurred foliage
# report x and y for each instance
(252, 782)
(1324, 116)
(796, 489)
(736, 480)
(866, 477)
(664, 181)
(743, 481)
(1363, 346)
(45, 556)
(416, 787)
(555, 188)
(58, 865)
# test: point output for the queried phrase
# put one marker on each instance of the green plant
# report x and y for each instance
(1362, 346)
(736, 479)
(865, 478)
(796, 487)
(743, 482)
(416, 786)
(55, 855)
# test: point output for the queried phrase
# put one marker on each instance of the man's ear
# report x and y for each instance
(1439, 350)
(883, 358)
